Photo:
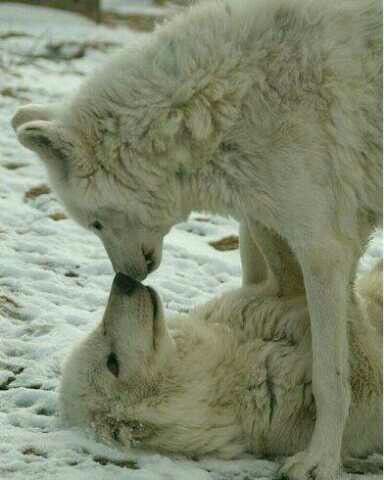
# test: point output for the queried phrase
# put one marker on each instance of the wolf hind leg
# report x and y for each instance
(267, 260)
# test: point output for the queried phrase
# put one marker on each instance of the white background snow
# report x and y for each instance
(55, 277)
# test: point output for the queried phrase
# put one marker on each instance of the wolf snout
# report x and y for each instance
(126, 284)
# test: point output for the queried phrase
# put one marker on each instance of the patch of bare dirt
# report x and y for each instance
(226, 244)
(35, 452)
(135, 21)
(14, 165)
(57, 216)
(119, 463)
(36, 192)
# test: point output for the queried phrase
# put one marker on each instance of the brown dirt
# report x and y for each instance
(226, 244)
(36, 192)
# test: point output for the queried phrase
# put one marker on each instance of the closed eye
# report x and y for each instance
(113, 364)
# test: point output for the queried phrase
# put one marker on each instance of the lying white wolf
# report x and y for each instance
(266, 110)
(233, 376)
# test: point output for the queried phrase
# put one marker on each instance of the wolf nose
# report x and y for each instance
(125, 283)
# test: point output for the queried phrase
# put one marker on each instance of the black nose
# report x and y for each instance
(125, 283)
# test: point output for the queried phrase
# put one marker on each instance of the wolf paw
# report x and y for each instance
(306, 466)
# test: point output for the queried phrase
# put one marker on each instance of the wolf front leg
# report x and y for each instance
(253, 265)
(327, 269)
(267, 260)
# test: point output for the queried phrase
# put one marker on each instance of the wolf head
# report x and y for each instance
(119, 364)
(106, 185)
(137, 381)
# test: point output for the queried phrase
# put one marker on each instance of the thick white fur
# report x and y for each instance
(267, 110)
(234, 376)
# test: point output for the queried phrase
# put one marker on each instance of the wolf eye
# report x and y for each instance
(97, 225)
(113, 364)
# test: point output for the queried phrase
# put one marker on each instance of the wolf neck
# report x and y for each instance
(205, 407)
(208, 190)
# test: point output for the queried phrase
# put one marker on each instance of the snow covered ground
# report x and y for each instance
(55, 277)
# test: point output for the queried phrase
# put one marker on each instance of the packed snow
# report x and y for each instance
(55, 277)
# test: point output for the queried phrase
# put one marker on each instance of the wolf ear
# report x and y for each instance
(50, 140)
(34, 111)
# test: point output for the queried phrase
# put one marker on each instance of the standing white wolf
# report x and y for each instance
(266, 110)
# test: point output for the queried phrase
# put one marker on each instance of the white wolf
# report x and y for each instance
(266, 110)
(234, 376)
